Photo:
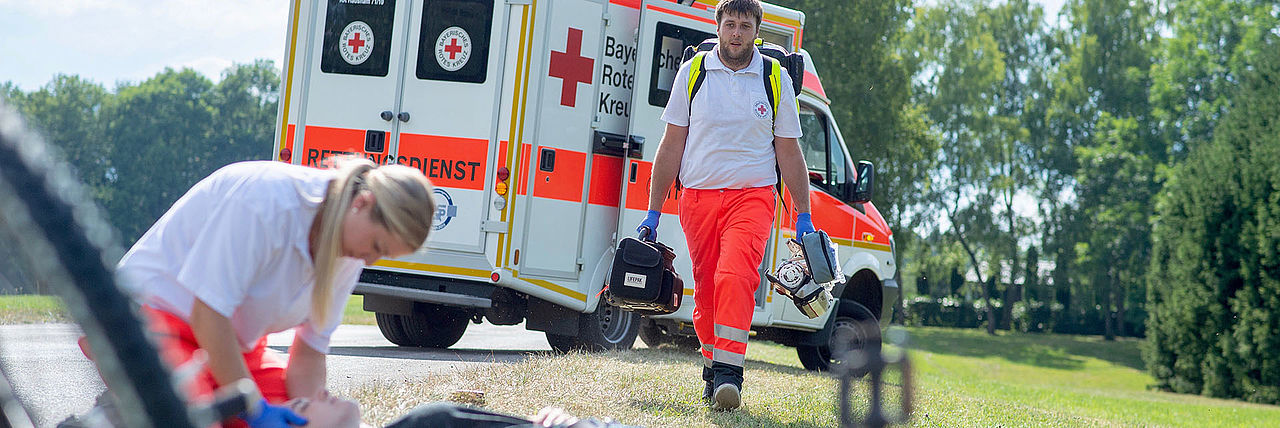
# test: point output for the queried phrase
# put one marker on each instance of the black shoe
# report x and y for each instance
(727, 397)
(708, 379)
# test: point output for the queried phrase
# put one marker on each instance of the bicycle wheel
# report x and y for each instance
(65, 240)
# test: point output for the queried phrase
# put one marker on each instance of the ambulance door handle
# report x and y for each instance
(403, 116)
(387, 115)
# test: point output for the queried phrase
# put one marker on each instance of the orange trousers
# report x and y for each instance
(177, 343)
(726, 230)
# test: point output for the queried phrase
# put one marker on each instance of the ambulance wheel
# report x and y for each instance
(855, 327)
(608, 328)
(393, 328)
(654, 336)
(435, 326)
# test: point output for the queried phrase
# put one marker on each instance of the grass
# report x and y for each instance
(32, 309)
(961, 378)
(354, 312)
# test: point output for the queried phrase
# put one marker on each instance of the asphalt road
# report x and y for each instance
(51, 374)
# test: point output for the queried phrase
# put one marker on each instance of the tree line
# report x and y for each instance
(1111, 169)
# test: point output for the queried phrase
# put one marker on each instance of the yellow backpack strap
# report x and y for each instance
(697, 74)
(772, 82)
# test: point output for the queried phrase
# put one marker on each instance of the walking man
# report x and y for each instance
(724, 144)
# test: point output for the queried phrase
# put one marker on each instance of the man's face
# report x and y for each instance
(326, 411)
(737, 33)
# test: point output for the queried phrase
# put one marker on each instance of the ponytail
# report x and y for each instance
(403, 204)
(328, 245)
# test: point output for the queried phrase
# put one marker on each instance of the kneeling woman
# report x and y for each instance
(262, 247)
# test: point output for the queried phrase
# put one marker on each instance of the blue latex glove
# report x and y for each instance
(650, 222)
(274, 417)
(804, 225)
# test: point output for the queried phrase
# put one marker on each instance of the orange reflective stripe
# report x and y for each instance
(323, 142)
(606, 173)
(682, 14)
(452, 162)
(564, 182)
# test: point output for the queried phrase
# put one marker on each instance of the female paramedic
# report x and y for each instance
(262, 247)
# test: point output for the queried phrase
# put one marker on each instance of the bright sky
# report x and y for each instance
(108, 41)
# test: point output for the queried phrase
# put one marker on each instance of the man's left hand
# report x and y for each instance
(804, 225)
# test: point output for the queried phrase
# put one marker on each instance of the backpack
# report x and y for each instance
(776, 61)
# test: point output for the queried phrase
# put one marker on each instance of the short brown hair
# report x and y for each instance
(751, 8)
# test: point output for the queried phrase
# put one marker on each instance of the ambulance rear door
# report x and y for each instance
(354, 60)
(567, 67)
(449, 115)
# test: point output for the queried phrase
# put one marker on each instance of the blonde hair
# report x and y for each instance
(403, 204)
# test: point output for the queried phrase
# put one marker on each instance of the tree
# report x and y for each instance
(160, 130)
(1214, 282)
(1102, 110)
(68, 111)
(245, 105)
(853, 46)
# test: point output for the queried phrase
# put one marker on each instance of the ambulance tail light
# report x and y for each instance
(286, 155)
(503, 175)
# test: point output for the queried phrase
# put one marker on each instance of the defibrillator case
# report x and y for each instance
(820, 254)
(643, 279)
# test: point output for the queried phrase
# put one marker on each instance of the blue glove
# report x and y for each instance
(274, 417)
(804, 225)
(651, 223)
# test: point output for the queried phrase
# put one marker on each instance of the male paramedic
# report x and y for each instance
(724, 144)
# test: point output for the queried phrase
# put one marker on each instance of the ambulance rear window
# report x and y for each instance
(357, 37)
(454, 42)
(668, 47)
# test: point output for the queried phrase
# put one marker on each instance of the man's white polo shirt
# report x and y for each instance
(731, 125)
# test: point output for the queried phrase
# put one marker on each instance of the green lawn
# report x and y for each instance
(29, 309)
(968, 378)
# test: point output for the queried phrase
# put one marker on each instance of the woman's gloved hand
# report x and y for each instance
(270, 416)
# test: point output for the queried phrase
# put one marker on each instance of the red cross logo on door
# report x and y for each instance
(453, 48)
(571, 67)
(356, 43)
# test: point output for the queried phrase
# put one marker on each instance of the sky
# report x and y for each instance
(110, 41)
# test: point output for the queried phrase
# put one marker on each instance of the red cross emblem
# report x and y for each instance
(355, 43)
(453, 48)
(760, 109)
(571, 67)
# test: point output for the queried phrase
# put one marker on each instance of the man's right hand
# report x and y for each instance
(270, 416)
(650, 222)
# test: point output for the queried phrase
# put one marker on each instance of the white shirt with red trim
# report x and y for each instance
(238, 242)
(731, 125)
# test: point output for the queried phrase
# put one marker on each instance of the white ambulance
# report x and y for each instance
(538, 121)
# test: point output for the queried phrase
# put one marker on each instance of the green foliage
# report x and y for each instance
(144, 144)
(1214, 287)
(852, 44)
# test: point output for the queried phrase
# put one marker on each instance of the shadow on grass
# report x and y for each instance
(425, 354)
(743, 417)
(1042, 350)
(682, 355)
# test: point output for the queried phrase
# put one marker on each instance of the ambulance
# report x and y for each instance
(538, 121)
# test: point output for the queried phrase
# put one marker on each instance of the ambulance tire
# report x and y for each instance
(852, 321)
(393, 328)
(435, 326)
(608, 328)
(654, 336)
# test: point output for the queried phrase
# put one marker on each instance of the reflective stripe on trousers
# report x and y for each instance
(726, 230)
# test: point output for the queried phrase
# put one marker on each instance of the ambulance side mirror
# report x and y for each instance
(865, 185)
